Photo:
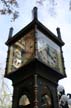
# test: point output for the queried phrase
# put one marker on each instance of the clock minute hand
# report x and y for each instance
(49, 53)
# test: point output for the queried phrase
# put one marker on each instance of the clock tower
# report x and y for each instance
(35, 64)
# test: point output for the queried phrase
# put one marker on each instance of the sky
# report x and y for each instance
(60, 16)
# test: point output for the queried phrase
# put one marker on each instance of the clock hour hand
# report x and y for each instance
(48, 52)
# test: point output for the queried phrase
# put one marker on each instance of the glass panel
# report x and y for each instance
(48, 52)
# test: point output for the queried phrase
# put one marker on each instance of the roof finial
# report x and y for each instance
(35, 13)
(10, 32)
(59, 33)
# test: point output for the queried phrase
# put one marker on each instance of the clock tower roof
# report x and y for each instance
(35, 24)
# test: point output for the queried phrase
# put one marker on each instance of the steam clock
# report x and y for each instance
(35, 65)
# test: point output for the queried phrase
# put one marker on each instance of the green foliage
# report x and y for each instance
(9, 7)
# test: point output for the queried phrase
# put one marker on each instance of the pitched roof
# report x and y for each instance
(39, 26)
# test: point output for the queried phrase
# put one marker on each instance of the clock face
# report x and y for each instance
(48, 55)
(48, 52)
(21, 52)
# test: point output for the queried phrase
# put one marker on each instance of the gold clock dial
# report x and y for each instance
(25, 50)
(22, 51)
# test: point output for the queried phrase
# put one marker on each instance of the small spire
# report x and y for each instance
(35, 13)
(10, 32)
(58, 33)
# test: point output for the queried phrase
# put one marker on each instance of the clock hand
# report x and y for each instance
(48, 52)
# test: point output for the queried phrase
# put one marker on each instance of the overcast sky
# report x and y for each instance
(61, 17)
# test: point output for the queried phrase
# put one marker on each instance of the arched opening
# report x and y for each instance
(46, 98)
(46, 101)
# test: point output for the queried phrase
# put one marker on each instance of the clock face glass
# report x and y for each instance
(48, 52)
(21, 52)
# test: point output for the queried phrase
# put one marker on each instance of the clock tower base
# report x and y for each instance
(35, 92)
(36, 87)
